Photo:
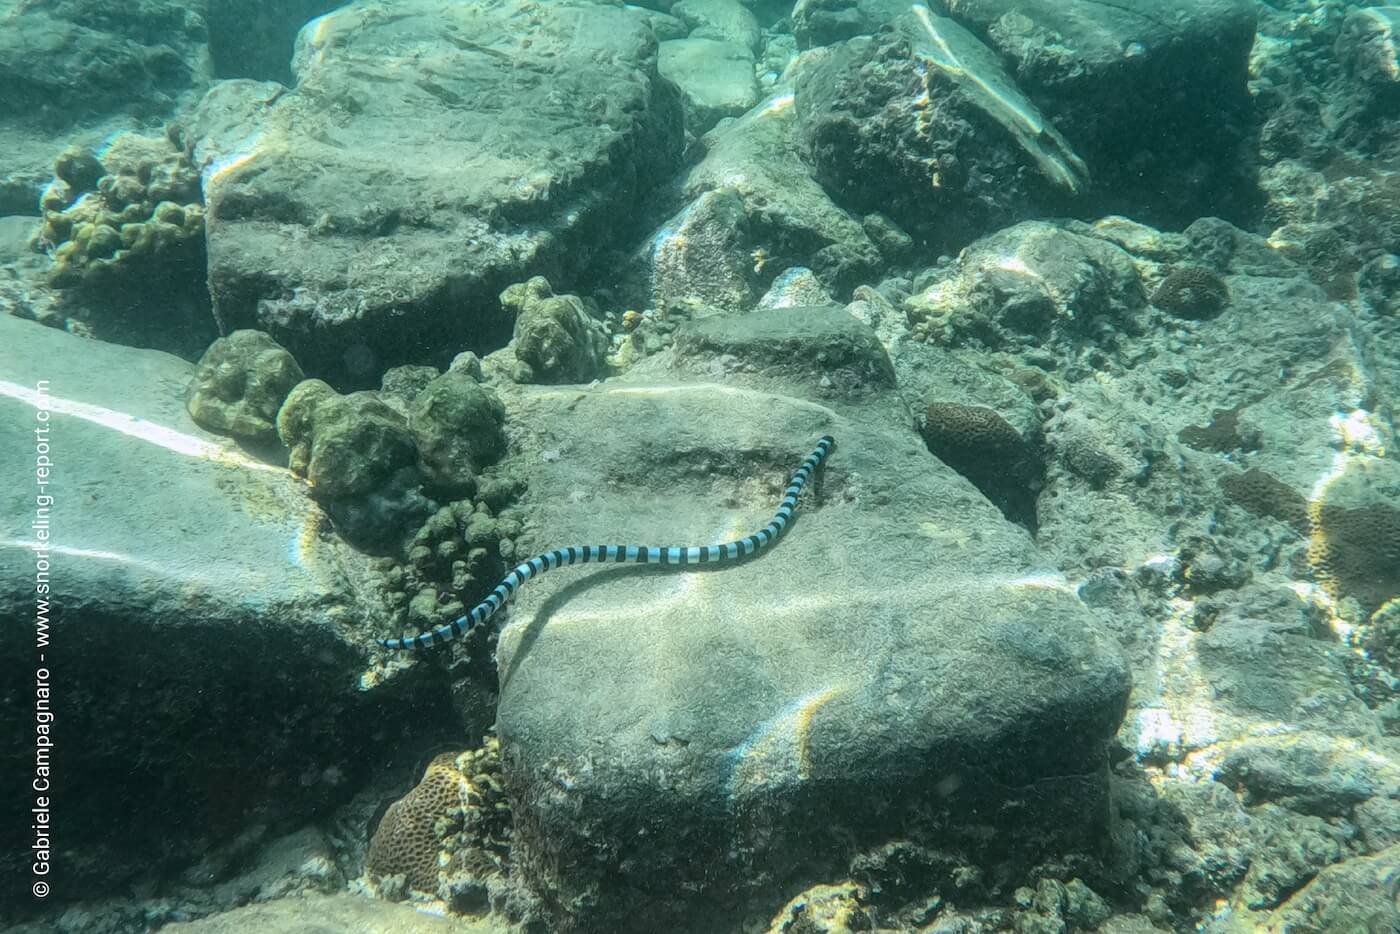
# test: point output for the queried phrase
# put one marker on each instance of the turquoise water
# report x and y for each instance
(700, 466)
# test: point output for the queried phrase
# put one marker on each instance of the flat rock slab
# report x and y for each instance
(331, 913)
(716, 77)
(694, 737)
(431, 154)
(204, 648)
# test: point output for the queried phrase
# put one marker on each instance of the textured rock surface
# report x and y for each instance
(750, 209)
(1153, 98)
(360, 238)
(336, 913)
(75, 72)
(1034, 284)
(192, 593)
(922, 121)
(668, 732)
(1356, 895)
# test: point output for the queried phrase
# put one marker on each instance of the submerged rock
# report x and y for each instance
(921, 121)
(677, 741)
(715, 77)
(209, 641)
(1031, 285)
(361, 239)
(749, 210)
(1153, 98)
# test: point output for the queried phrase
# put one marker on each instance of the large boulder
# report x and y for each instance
(431, 154)
(715, 77)
(681, 745)
(1155, 99)
(748, 211)
(922, 121)
(206, 644)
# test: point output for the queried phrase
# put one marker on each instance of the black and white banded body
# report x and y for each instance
(624, 554)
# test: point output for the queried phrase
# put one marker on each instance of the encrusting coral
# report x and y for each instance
(240, 384)
(556, 339)
(1356, 551)
(1192, 292)
(105, 218)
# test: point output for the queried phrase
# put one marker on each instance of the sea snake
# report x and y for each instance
(623, 554)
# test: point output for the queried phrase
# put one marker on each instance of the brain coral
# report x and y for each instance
(454, 823)
(408, 841)
(1264, 494)
(983, 446)
(1356, 551)
(1192, 292)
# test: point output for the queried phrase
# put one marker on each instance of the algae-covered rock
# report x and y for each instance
(361, 460)
(457, 424)
(240, 385)
(343, 445)
(125, 234)
(556, 339)
(400, 385)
